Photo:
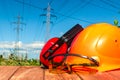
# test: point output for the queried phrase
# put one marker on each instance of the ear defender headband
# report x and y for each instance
(58, 45)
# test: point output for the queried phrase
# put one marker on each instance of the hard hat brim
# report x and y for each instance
(107, 67)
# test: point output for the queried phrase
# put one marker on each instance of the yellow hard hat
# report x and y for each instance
(101, 42)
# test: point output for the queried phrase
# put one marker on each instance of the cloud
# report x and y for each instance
(7, 44)
(36, 46)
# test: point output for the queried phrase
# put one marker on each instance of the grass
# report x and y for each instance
(13, 60)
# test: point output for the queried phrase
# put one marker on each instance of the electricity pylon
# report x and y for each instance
(18, 29)
(48, 21)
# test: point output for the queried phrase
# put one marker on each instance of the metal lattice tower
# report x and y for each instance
(18, 28)
(48, 21)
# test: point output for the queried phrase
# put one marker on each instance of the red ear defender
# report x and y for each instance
(58, 46)
(48, 50)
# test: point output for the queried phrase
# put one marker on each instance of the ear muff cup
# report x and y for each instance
(62, 50)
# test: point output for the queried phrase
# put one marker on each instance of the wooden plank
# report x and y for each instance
(67, 76)
(28, 73)
(6, 72)
(60, 75)
(37, 73)
(51, 76)
(115, 74)
(112, 75)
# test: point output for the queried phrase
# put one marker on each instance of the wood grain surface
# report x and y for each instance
(37, 73)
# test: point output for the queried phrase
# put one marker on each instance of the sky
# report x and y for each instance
(33, 30)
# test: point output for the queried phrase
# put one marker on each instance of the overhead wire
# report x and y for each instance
(23, 9)
(116, 3)
(28, 4)
(55, 12)
(94, 4)
(50, 2)
(35, 35)
(85, 4)
(64, 4)
(66, 15)
(86, 21)
(113, 2)
(101, 6)
(69, 16)
(78, 7)
(59, 9)
(38, 33)
(110, 4)
(74, 11)
(22, 13)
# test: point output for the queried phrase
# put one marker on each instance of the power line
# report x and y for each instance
(54, 12)
(50, 2)
(114, 2)
(28, 4)
(100, 6)
(76, 10)
(73, 12)
(64, 4)
(110, 4)
(23, 9)
(74, 18)
(39, 31)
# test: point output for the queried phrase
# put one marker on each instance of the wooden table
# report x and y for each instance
(37, 73)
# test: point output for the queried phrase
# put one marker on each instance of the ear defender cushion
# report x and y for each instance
(48, 51)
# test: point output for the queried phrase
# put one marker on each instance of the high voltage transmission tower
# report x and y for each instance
(48, 21)
(18, 28)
